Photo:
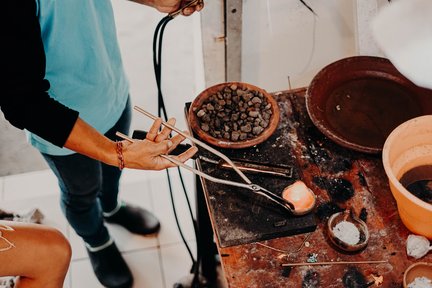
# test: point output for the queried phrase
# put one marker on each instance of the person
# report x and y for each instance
(66, 86)
(24, 244)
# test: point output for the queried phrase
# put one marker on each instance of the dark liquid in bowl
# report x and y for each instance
(418, 181)
(365, 111)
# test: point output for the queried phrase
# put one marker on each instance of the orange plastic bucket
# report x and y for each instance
(407, 147)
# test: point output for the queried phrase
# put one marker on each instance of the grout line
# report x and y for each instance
(159, 252)
(158, 243)
(2, 188)
(29, 173)
(70, 275)
(30, 199)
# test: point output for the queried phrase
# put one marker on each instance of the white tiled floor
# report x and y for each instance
(155, 261)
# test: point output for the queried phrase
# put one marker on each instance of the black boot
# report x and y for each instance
(135, 219)
(110, 267)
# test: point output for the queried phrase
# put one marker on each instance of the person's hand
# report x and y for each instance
(193, 8)
(145, 154)
(169, 6)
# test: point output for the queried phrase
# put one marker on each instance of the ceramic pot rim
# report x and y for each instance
(387, 166)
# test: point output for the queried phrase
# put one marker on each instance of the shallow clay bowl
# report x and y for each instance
(195, 122)
(419, 269)
(357, 101)
(361, 226)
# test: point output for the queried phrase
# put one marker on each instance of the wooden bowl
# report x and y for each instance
(357, 101)
(347, 216)
(203, 97)
(419, 269)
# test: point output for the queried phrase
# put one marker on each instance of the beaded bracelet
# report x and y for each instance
(119, 150)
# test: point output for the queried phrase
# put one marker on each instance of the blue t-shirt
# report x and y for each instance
(84, 65)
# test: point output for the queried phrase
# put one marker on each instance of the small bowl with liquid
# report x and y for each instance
(407, 160)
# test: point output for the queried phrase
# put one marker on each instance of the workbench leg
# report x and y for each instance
(206, 247)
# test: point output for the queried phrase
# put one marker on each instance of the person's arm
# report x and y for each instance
(141, 154)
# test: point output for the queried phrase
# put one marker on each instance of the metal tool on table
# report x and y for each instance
(252, 167)
(246, 166)
(248, 183)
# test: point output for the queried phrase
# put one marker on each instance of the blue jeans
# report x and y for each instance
(89, 187)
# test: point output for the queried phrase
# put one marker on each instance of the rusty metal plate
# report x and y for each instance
(357, 101)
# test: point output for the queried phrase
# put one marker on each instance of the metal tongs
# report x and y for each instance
(249, 185)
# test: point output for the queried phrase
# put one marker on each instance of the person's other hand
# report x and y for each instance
(169, 6)
(145, 154)
(193, 8)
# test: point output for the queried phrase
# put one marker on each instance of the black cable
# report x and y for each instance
(157, 65)
(157, 61)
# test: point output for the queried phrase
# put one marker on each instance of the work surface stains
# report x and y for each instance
(353, 278)
(311, 279)
(319, 146)
(363, 214)
(286, 271)
(339, 189)
(362, 179)
(325, 210)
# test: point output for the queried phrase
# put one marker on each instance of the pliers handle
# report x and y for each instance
(254, 187)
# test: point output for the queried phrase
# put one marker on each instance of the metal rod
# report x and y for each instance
(198, 142)
(282, 202)
(181, 164)
(259, 168)
(125, 137)
(288, 205)
(287, 252)
(335, 263)
(204, 175)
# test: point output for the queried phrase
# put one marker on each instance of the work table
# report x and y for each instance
(253, 240)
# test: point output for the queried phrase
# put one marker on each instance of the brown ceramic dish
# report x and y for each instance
(223, 143)
(419, 269)
(358, 101)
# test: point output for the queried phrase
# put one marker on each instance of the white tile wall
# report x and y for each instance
(283, 38)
